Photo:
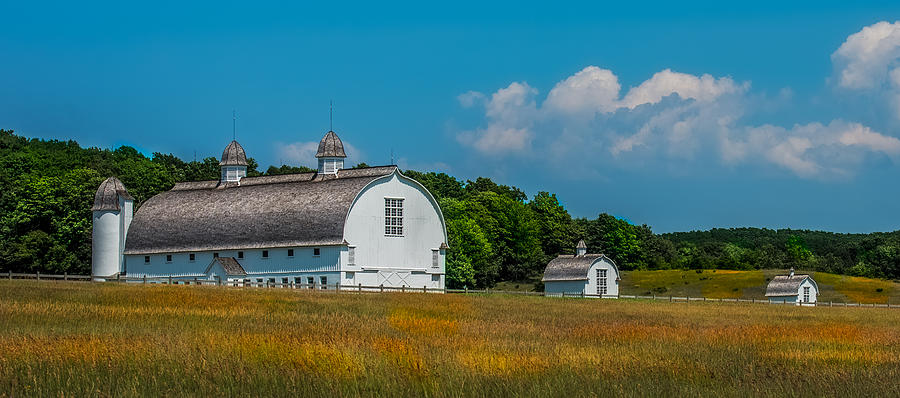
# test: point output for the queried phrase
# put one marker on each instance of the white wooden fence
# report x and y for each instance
(337, 288)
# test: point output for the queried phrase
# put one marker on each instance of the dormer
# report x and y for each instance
(330, 154)
(233, 163)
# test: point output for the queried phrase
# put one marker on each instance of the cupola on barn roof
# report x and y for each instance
(234, 155)
(107, 196)
(331, 146)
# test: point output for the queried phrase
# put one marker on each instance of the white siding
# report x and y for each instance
(589, 286)
(107, 243)
(278, 263)
(396, 260)
(567, 287)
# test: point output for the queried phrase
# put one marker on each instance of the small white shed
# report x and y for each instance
(593, 275)
(797, 289)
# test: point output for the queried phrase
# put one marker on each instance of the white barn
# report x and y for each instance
(797, 289)
(352, 227)
(593, 275)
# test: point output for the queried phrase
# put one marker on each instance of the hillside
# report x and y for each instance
(71, 338)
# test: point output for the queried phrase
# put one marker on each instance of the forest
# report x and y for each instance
(496, 232)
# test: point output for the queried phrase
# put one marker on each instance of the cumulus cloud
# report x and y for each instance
(869, 57)
(671, 118)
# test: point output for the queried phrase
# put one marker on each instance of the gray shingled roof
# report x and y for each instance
(786, 285)
(233, 155)
(229, 264)
(107, 196)
(263, 212)
(567, 267)
(331, 146)
(581, 245)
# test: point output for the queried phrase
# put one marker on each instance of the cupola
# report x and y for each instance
(233, 163)
(330, 154)
(580, 248)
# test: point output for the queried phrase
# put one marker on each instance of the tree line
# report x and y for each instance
(496, 232)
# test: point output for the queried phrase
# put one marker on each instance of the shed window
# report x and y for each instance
(192, 257)
(601, 282)
(393, 217)
(240, 254)
(168, 258)
(351, 255)
(265, 254)
(806, 294)
(316, 252)
(291, 253)
(147, 259)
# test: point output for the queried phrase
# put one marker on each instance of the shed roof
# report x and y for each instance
(331, 146)
(786, 285)
(229, 264)
(107, 196)
(273, 211)
(233, 155)
(571, 268)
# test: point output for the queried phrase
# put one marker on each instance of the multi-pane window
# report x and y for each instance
(317, 252)
(806, 294)
(435, 258)
(310, 281)
(393, 217)
(351, 255)
(601, 282)
(324, 282)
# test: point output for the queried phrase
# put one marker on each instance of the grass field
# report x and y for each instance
(66, 338)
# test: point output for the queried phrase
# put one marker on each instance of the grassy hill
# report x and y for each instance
(752, 284)
(81, 339)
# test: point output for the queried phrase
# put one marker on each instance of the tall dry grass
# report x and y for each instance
(113, 340)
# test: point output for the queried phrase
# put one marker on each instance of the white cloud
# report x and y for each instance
(672, 120)
(510, 113)
(664, 83)
(470, 98)
(868, 57)
(590, 90)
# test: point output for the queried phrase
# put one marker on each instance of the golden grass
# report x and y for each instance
(115, 340)
(857, 289)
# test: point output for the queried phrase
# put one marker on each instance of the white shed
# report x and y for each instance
(797, 289)
(593, 275)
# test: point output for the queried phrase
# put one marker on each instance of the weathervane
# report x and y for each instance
(233, 125)
(331, 115)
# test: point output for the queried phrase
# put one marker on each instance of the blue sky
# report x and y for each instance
(678, 115)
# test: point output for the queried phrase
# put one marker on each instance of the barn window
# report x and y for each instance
(435, 278)
(265, 254)
(284, 281)
(290, 252)
(349, 275)
(168, 258)
(435, 258)
(317, 252)
(324, 282)
(215, 255)
(298, 280)
(806, 294)
(351, 255)
(147, 259)
(192, 257)
(240, 254)
(310, 281)
(601, 282)
(393, 217)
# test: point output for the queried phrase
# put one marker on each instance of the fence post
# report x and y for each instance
(403, 289)
(424, 289)
(582, 293)
(10, 275)
(65, 276)
(382, 287)
(195, 280)
(170, 279)
(37, 275)
(466, 287)
(337, 287)
(145, 279)
(360, 288)
(670, 299)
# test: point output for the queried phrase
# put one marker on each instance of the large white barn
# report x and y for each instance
(593, 275)
(795, 289)
(352, 227)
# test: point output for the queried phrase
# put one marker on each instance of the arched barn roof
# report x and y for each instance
(107, 196)
(263, 212)
(572, 268)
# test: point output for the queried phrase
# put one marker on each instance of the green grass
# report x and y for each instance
(81, 339)
(752, 284)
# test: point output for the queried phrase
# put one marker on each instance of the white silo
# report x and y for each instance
(112, 209)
